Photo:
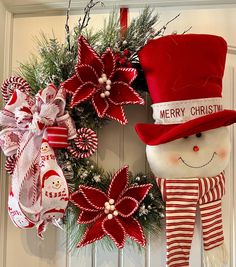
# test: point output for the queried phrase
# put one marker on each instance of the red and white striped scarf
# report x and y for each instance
(182, 196)
(56, 194)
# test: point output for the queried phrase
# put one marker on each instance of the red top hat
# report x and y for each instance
(184, 75)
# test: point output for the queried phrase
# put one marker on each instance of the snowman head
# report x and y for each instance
(199, 155)
(45, 148)
(52, 182)
(21, 221)
(184, 76)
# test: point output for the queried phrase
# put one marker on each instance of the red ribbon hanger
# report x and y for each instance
(123, 21)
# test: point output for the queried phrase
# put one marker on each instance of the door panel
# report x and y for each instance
(120, 145)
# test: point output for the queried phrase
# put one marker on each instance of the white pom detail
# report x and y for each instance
(102, 95)
(108, 82)
(107, 93)
(109, 216)
(100, 80)
(112, 207)
(115, 213)
(106, 211)
(111, 201)
(108, 87)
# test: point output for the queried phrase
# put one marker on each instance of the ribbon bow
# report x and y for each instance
(26, 122)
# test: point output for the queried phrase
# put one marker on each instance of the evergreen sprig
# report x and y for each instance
(87, 172)
(55, 63)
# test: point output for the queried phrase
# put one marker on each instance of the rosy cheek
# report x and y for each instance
(49, 187)
(222, 153)
(173, 159)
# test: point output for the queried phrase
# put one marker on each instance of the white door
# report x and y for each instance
(118, 145)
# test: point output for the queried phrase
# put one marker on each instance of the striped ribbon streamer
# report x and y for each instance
(182, 197)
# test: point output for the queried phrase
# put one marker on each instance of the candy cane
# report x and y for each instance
(12, 83)
(86, 143)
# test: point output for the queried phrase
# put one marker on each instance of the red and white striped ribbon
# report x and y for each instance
(182, 196)
(57, 136)
(25, 121)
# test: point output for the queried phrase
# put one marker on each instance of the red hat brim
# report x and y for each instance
(156, 134)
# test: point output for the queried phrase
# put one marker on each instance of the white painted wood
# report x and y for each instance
(228, 198)
(49, 6)
(5, 45)
(2, 35)
(233, 248)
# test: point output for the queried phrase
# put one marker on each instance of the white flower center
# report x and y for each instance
(110, 209)
(105, 85)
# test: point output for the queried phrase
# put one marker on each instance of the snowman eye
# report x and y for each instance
(198, 135)
(53, 183)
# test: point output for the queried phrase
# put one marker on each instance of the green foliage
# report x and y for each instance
(141, 30)
(149, 214)
(55, 63)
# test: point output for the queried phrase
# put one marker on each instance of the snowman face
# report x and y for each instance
(200, 155)
(21, 221)
(54, 183)
(44, 147)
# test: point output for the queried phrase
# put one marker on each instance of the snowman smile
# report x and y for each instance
(190, 166)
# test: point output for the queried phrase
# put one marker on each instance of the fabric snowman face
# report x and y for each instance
(54, 184)
(45, 149)
(21, 220)
(202, 155)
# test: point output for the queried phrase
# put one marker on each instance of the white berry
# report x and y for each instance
(108, 87)
(100, 80)
(102, 95)
(112, 207)
(115, 213)
(107, 93)
(104, 75)
(111, 201)
(108, 82)
(104, 79)
(106, 211)
(109, 216)
(107, 204)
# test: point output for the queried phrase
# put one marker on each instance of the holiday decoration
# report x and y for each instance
(55, 193)
(27, 120)
(10, 164)
(50, 120)
(86, 143)
(9, 86)
(99, 79)
(111, 213)
(188, 147)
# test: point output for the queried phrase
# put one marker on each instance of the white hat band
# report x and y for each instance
(177, 112)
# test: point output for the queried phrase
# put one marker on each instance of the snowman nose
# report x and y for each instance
(195, 148)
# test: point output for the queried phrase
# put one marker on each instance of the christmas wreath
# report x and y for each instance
(49, 134)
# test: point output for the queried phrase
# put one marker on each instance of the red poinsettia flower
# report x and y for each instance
(98, 79)
(111, 213)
